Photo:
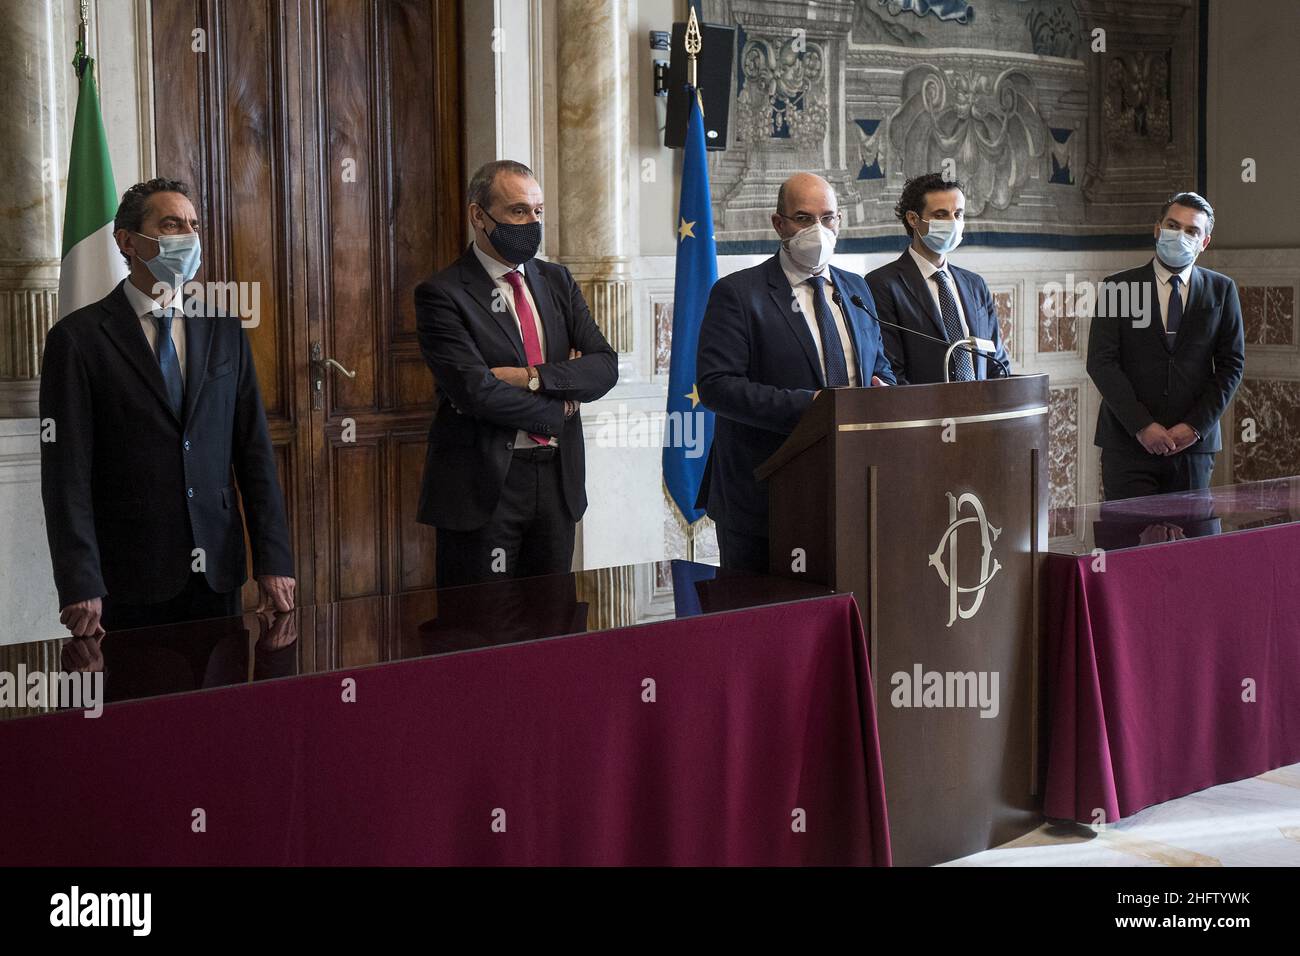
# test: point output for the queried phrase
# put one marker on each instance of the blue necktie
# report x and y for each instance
(837, 369)
(965, 370)
(1174, 316)
(168, 360)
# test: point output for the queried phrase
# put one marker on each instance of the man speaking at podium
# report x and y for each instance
(928, 296)
(773, 336)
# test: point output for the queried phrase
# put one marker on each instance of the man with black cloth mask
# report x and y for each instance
(514, 351)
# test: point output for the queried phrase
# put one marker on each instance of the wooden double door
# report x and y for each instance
(321, 139)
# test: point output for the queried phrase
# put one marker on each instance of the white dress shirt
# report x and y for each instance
(1163, 288)
(497, 272)
(144, 306)
(928, 270)
(803, 296)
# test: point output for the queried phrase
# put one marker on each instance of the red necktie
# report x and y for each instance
(527, 328)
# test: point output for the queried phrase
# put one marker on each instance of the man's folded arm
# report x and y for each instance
(461, 372)
(590, 377)
(67, 463)
(722, 373)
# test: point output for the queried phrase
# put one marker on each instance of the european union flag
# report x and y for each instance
(688, 431)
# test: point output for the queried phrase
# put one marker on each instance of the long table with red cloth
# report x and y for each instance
(740, 737)
(1173, 629)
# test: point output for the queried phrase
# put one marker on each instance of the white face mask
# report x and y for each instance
(811, 247)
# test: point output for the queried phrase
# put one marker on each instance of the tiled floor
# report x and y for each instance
(1253, 822)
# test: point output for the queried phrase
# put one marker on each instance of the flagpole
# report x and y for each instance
(695, 274)
(693, 45)
(82, 28)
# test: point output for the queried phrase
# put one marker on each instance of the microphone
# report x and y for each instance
(973, 345)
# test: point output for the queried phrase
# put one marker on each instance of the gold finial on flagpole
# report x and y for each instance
(693, 42)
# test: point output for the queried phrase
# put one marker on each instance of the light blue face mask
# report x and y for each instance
(944, 235)
(178, 258)
(1177, 249)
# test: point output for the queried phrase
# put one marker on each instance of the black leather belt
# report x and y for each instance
(537, 452)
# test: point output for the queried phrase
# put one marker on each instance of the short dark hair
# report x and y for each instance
(914, 192)
(130, 211)
(480, 184)
(1192, 201)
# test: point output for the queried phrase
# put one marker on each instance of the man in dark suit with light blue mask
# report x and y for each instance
(773, 336)
(929, 297)
(156, 419)
(1167, 351)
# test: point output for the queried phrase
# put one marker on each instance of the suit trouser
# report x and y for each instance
(739, 551)
(196, 602)
(529, 533)
(1134, 474)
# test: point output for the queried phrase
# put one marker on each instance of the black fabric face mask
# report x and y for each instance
(518, 242)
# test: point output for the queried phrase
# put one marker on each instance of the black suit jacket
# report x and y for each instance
(903, 297)
(129, 489)
(472, 436)
(757, 368)
(1142, 380)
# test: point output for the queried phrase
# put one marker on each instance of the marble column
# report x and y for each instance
(35, 66)
(598, 240)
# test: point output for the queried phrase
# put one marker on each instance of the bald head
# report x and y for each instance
(804, 189)
(801, 200)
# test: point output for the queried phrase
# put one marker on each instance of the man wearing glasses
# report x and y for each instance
(922, 291)
(772, 337)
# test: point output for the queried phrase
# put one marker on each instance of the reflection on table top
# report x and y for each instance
(1159, 519)
(200, 655)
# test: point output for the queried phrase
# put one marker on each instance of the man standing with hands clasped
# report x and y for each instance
(159, 437)
(1166, 351)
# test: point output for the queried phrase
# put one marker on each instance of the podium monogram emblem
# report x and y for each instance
(948, 570)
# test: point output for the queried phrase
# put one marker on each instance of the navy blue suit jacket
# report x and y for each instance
(903, 297)
(757, 368)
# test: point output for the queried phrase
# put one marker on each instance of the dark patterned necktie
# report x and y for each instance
(837, 369)
(965, 370)
(1174, 316)
(168, 361)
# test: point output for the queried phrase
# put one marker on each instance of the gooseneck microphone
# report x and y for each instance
(973, 345)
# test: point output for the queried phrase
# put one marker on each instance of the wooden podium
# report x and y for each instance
(929, 503)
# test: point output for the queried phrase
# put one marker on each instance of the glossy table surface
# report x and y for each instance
(200, 655)
(1160, 519)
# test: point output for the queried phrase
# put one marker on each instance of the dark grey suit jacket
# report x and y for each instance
(130, 489)
(1142, 380)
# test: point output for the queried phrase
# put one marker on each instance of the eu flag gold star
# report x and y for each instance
(693, 395)
(685, 228)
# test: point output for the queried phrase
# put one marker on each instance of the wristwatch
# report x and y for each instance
(534, 380)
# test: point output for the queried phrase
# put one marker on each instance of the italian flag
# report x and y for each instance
(92, 266)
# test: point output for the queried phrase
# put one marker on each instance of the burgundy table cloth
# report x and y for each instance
(759, 747)
(1151, 665)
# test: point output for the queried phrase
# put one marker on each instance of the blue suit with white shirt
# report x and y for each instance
(906, 295)
(760, 361)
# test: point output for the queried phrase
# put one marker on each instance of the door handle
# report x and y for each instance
(330, 361)
(319, 363)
